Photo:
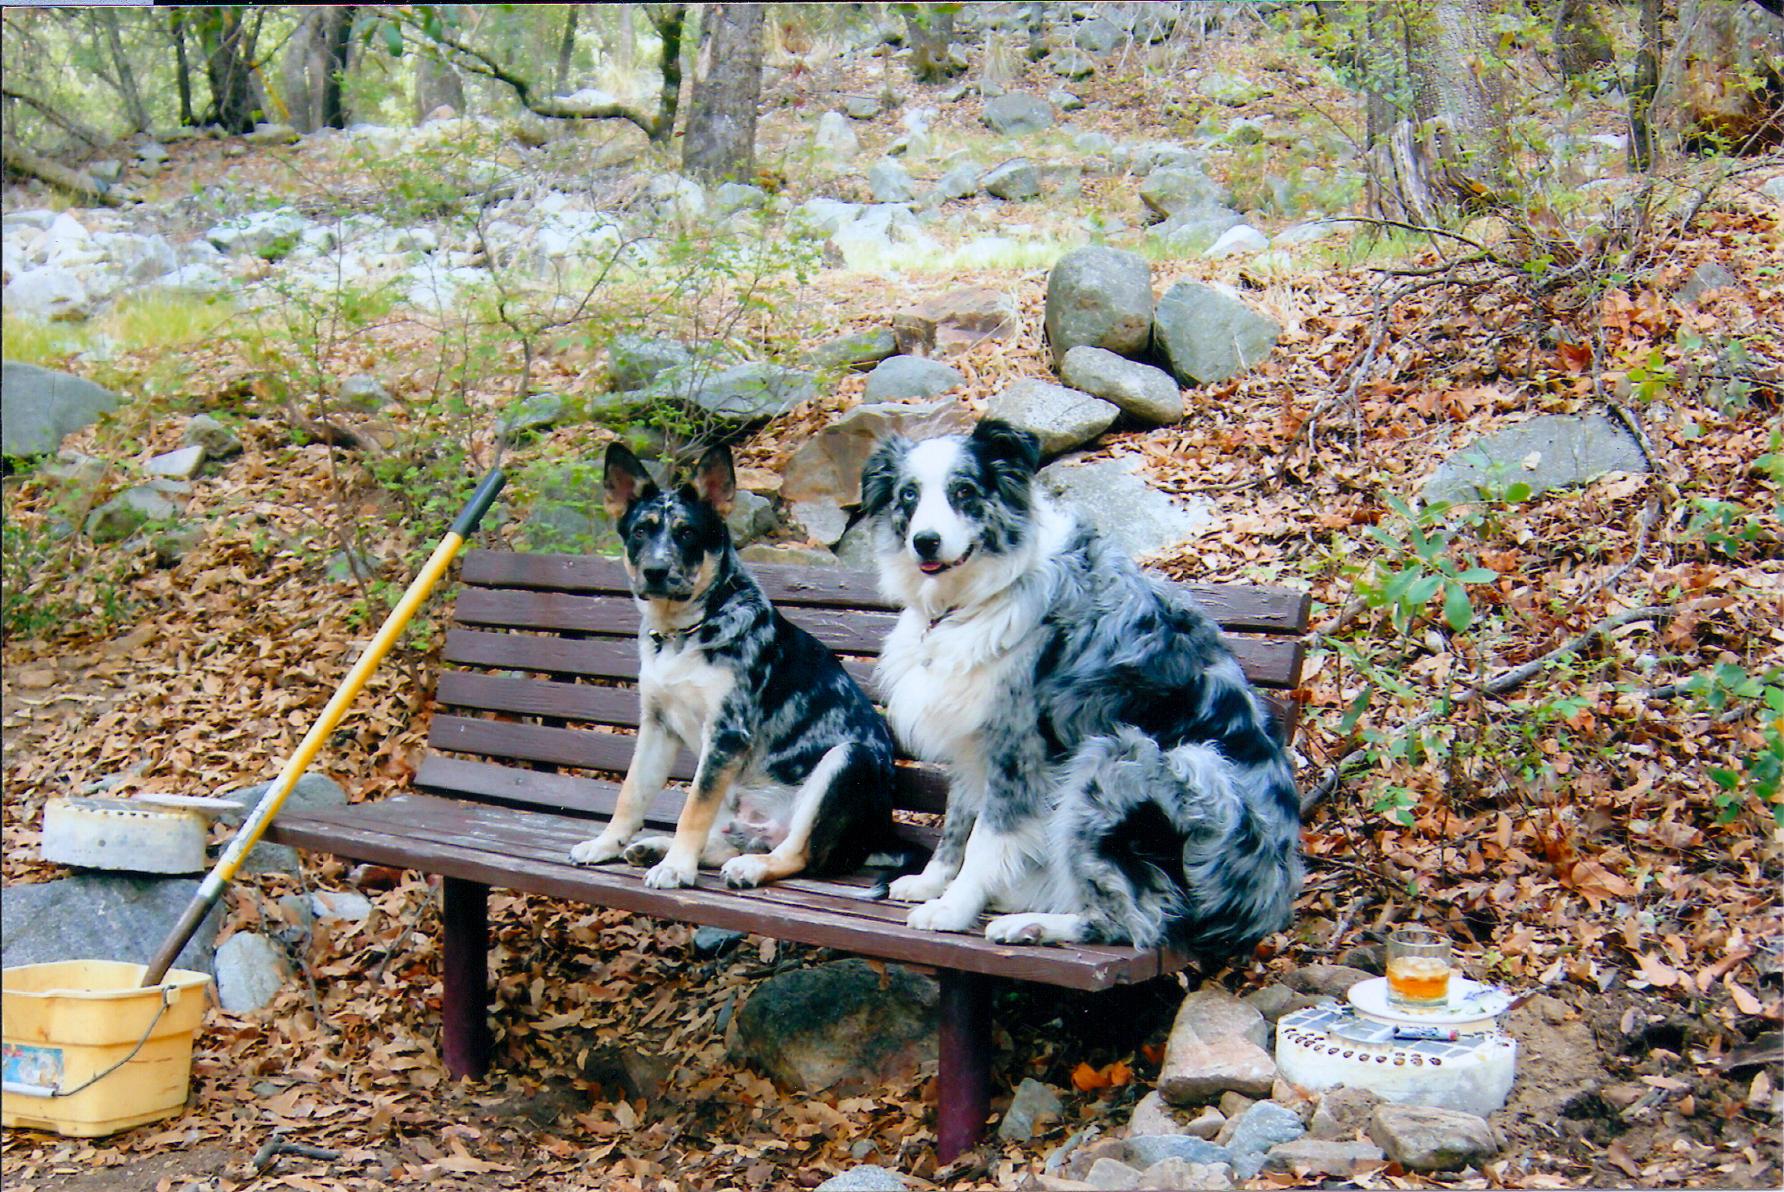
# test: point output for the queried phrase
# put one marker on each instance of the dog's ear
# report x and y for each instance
(1010, 453)
(715, 479)
(879, 477)
(624, 480)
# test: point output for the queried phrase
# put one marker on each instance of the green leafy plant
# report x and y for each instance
(1419, 569)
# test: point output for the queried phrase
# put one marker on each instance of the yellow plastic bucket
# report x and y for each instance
(86, 1052)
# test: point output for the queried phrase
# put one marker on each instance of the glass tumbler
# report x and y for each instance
(1418, 966)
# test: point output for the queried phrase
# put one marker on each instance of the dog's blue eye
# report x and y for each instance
(908, 494)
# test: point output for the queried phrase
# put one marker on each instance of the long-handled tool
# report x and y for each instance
(248, 835)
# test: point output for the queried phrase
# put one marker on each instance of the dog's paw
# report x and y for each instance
(601, 849)
(743, 872)
(942, 915)
(647, 850)
(671, 873)
(916, 887)
(1020, 929)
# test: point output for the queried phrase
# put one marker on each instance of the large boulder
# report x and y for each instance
(106, 916)
(1015, 180)
(910, 376)
(135, 507)
(845, 1025)
(1423, 1138)
(39, 407)
(48, 293)
(1176, 190)
(863, 349)
(828, 466)
(634, 361)
(1216, 1045)
(1017, 114)
(1546, 452)
(1208, 334)
(1144, 393)
(1112, 496)
(890, 182)
(834, 136)
(739, 396)
(1059, 417)
(1100, 297)
(951, 323)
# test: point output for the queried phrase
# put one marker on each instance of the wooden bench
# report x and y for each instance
(524, 761)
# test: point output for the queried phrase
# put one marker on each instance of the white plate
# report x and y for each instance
(1469, 1001)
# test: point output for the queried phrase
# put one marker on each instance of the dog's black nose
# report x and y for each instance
(655, 577)
(927, 543)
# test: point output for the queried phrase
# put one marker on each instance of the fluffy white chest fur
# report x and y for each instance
(681, 685)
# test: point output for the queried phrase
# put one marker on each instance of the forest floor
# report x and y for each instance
(1569, 831)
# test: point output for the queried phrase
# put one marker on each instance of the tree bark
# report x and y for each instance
(335, 35)
(19, 160)
(1642, 88)
(567, 46)
(721, 134)
(1723, 86)
(134, 110)
(227, 54)
(1459, 98)
(176, 28)
(670, 21)
(436, 85)
(930, 32)
(1582, 48)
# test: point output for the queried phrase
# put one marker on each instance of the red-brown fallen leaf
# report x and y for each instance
(1744, 1001)
(1619, 1155)
(1119, 1073)
(1087, 1079)
(1656, 971)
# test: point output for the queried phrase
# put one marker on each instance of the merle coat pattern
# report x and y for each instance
(1114, 776)
(795, 766)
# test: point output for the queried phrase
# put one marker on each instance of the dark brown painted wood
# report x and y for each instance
(464, 966)
(963, 1067)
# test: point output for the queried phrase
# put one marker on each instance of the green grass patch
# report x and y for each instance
(160, 319)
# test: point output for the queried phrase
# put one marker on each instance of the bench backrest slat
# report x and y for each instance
(536, 629)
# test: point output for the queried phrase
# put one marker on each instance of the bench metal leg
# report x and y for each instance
(964, 1062)
(464, 1005)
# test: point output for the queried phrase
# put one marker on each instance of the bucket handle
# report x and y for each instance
(169, 995)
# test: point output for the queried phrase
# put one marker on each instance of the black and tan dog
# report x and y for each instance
(795, 764)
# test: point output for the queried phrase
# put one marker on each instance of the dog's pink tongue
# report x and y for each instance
(929, 568)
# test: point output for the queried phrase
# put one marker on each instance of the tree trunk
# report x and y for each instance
(1642, 88)
(1459, 97)
(721, 134)
(436, 85)
(296, 71)
(224, 36)
(669, 20)
(930, 31)
(1723, 89)
(1582, 48)
(19, 160)
(335, 38)
(176, 28)
(567, 47)
(127, 89)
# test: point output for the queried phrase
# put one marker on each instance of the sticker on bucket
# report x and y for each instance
(34, 1071)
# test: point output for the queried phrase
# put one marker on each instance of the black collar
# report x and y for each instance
(660, 639)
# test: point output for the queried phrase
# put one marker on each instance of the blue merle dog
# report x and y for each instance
(1114, 776)
(795, 765)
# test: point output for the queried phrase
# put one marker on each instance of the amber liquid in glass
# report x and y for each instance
(1419, 980)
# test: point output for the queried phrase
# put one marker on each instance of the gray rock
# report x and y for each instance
(1709, 276)
(955, 321)
(102, 917)
(345, 566)
(216, 439)
(176, 542)
(1033, 1105)
(47, 293)
(1420, 1138)
(312, 792)
(1312, 1156)
(1146, 1149)
(823, 520)
(151, 151)
(783, 555)
(1064, 100)
(1017, 114)
(1275, 999)
(1072, 65)
(959, 181)
(1113, 497)
(728, 198)
(634, 361)
(1102, 298)
(855, 549)
(1192, 232)
(840, 1025)
(890, 182)
(1216, 1045)
(1263, 1126)
(536, 411)
(1180, 1175)
(1238, 240)
(1098, 35)
(737, 396)
(1175, 190)
(1060, 418)
(343, 905)
(145, 258)
(1014, 180)
(1230, 88)
(1112, 1175)
(250, 972)
(1303, 233)
(1143, 392)
(862, 107)
(866, 1178)
(39, 407)
(860, 350)
(899, 377)
(751, 518)
(1774, 189)
(261, 233)
(1152, 1115)
(1327, 980)
(1547, 452)
(182, 464)
(1094, 144)
(1208, 335)
(835, 137)
(714, 941)
(81, 473)
(272, 134)
(363, 392)
(130, 511)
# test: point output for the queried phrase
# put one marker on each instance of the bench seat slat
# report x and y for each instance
(1239, 608)
(507, 849)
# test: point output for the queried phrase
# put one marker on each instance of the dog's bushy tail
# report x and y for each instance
(1178, 846)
